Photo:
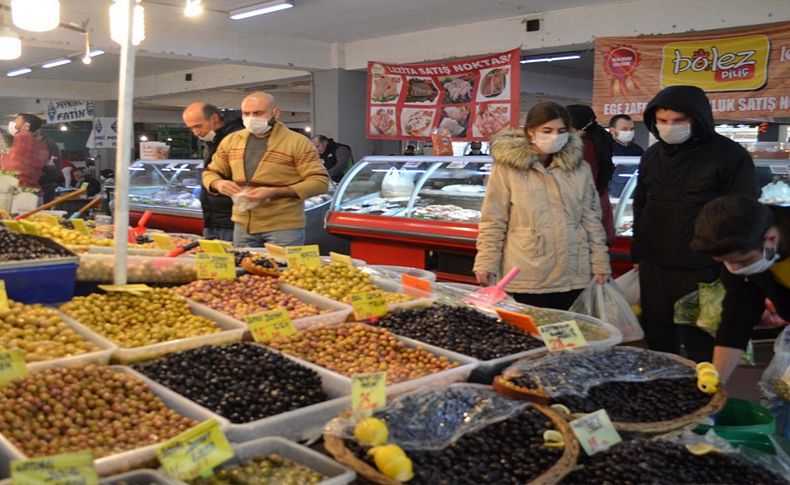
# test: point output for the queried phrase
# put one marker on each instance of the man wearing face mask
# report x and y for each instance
(621, 127)
(689, 166)
(28, 153)
(209, 125)
(270, 167)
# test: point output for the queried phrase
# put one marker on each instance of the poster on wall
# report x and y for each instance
(744, 72)
(104, 133)
(65, 111)
(472, 98)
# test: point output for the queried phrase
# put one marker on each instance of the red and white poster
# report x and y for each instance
(473, 98)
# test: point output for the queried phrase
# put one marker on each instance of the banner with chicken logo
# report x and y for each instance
(745, 72)
(473, 99)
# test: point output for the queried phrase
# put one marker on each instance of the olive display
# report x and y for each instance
(22, 247)
(242, 381)
(460, 329)
(246, 295)
(354, 348)
(64, 236)
(337, 281)
(546, 316)
(507, 452)
(99, 408)
(659, 462)
(135, 320)
(263, 470)
(138, 269)
(40, 333)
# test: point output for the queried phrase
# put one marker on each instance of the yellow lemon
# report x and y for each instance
(400, 469)
(553, 439)
(371, 432)
(637, 310)
(708, 383)
(700, 449)
(703, 366)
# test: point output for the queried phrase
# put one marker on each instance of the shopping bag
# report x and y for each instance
(605, 302)
(775, 384)
(628, 284)
(397, 183)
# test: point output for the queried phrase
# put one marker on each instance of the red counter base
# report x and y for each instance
(165, 222)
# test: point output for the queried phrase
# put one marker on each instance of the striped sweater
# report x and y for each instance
(290, 160)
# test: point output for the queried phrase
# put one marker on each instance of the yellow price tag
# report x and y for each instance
(136, 289)
(195, 451)
(65, 469)
(163, 241)
(13, 226)
(3, 297)
(562, 336)
(368, 305)
(303, 256)
(48, 219)
(29, 228)
(213, 266)
(340, 258)
(267, 326)
(12, 366)
(81, 227)
(368, 392)
(275, 251)
(212, 247)
(595, 432)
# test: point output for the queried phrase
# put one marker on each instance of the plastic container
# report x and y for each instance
(101, 356)
(140, 477)
(233, 331)
(338, 312)
(421, 298)
(47, 281)
(396, 271)
(140, 269)
(128, 460)
(740, 416)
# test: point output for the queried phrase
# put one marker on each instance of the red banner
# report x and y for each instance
(471, 98)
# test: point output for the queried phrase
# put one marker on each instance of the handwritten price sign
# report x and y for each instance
(12, 366)
(368, 305)
(65, 469)
(215, 266)
(595, 432)
(562, 336)
(195, 451)
(80, 226)
(3, 297)
(267, 326)
(309, 256)
(341, 259)
(368, 391)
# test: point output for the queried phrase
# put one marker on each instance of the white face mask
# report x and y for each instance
(625, 136)
(257, 126)
(761, 266)
(209, 137)
(549, 143)
(12, 127)
(674, 134)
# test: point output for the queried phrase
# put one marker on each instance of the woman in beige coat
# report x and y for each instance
(541, 213)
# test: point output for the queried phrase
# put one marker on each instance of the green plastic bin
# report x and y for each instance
(739, 419)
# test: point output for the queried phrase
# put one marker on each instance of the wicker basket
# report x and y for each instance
(336, 446)
(628, 428)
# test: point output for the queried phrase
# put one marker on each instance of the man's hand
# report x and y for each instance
(260, 194)
(484, 278)
(226, 187)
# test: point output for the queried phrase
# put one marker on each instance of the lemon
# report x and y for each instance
(703, 366)
(708, 383)
(637, 310)
(553, 439)
(560, 408)
(700, 449)
(371, 432)
(392, 461)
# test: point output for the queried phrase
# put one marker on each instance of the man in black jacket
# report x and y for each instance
(209, 125)
(689, 166)
(334, 155)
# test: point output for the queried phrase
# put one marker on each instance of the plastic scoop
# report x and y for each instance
(140, 229)
(493, 294)
(182, 249)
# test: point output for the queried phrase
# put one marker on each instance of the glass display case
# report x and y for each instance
(166, 187)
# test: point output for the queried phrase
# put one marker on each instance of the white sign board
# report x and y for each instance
(104, 133)
(65, 111)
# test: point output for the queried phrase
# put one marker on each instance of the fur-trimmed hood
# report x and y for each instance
(512, 148)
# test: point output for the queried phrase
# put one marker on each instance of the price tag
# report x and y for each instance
(65, 469)
(562, 336)
(84, 186)
(13, 226)
(368, 305)
(195, 451)
(212, 247)
(80, 226)
(595, 432)
(309, 256)
(412, 164)
(12, 366)
(341, 259)
(415, 283)
(29, 228)
(136, 288)
(48, 219)
(457, 164)
(163, 241)
(267, 326)
(275, 251)
(215, 266)
(368, 391)
(3, 298)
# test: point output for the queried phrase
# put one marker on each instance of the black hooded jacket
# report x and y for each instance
(675, 181)
(217, 209)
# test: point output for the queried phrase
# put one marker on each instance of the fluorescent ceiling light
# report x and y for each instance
(193, 8)
(19, 72)
(260, 9)
(559, 57)
(96, 52)
(56, 63)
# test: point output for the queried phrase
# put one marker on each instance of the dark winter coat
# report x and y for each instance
(217, 209)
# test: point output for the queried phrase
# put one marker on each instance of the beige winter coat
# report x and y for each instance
(545, 221)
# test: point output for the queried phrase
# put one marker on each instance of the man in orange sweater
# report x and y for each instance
(28, 153)
(271, 166)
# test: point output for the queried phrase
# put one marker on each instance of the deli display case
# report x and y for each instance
(413, 211)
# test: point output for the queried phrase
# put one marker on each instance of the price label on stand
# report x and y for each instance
(562, 336)
(595, 432)
(212, 247)
(64, 469)
(341, 259)
(29, 228)
(368, 391)
(275, 251)
(457, 164)
(13, 226)
(368, 305)
(135, 289)
(80, 226)
(48, 219)
(309, 256)
(12, 366)
(414, 283)
(267, 326)
(4, 307)
(84, 186)
(163, 241)
(216, 266)
(412, 164)
(195, 452)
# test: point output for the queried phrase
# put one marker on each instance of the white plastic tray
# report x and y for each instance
(128, 460)
(338, 312)
(99, 268)
(233, 331)
(396, 272)
(140, 477)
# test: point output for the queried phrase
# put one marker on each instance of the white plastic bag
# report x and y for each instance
(606, 303)
(397, 183)
(241, 203)
(628, 284)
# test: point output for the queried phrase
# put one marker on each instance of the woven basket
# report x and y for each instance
(628, 428)
(336, 446)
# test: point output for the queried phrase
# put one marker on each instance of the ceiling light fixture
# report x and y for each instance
(193, 8)
(36, 15)
(118, 23)
(64, 128)
(19, 72)
(10, 45)
(143, 138)
(86, 59)
(551, 58)
(96, 52)
(55, 63)
(260, 9)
